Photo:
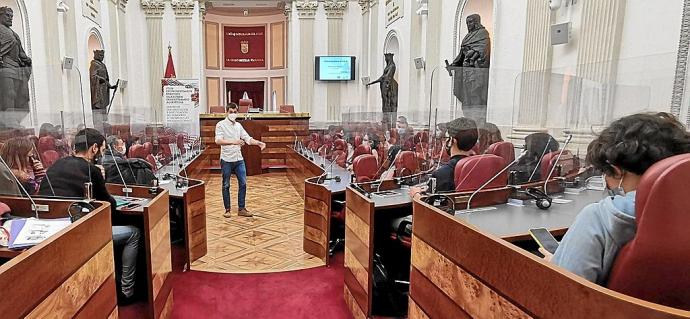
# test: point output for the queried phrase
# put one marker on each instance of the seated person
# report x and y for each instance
(134, 171)
(461, 136)
(623, 151)
(67, 178)
(537, 145)
(20, 155)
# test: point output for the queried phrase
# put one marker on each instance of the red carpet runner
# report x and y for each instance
(310, 293)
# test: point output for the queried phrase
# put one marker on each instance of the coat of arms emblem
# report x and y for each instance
(244, 47)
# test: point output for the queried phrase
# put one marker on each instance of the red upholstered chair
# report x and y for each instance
(361, 150)
(180, 143)
(358, 140)
(165, 152)
(245, 104)
(654, 265)
(136, 151)
(406, 164)
(46, 143)
(569, 164)
(49, 158)
(287, 109)
(327, 146)
(365, 168)
(472, 172)
(314, 142)
(152, 160)
(340, 152)
(148, 147)
(506, 150)
(217, 109)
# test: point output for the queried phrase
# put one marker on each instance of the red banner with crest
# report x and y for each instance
(245, 47)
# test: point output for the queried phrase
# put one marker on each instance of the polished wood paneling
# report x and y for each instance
(278, 85)
(277, 130)
(113, 315)
(488, 275)
(212, 42)
(102, 300)
(433, 301)
(352, 304)
(414, 312)
(213, 92)
(157, 243)
(359, 241)
(278, 45)
(72, 295)
(57, 277)
(465, 291)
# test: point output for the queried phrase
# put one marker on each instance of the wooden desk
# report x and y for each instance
(460, 270)
(192, 200)
(360, 225)
(70, 275)
(156, 237)
(303, 174)
(277, 130)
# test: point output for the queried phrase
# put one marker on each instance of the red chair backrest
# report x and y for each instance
(287, 109)
(472, 172)
(506, 150)
(148, 147)
(152, 161)
(365, 168)
(180, 143)
(569, 164)
(217, 109)
(49, 157)
(654, 265)
(245, 104)
(361, 150)
(46, 143)
(406, 164)
(137, 151)
(165, 150)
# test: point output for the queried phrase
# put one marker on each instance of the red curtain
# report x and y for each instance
(245, 47)
(254, 89)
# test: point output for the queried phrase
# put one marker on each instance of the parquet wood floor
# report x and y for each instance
(271, 241)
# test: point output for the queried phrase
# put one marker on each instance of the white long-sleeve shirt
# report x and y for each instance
(228, 130)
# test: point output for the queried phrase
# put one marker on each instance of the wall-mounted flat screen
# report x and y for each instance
(334, 68)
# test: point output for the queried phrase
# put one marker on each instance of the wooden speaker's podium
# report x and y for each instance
(252, 154)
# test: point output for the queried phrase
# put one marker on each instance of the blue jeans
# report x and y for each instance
(240, 171)
(127, 238)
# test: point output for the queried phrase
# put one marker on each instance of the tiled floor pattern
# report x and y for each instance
(271, 241)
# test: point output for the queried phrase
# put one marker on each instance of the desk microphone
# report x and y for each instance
(469, 201)
(33, 204)
(326, 171)
(360, 189)
(558, 158)
(126, 189)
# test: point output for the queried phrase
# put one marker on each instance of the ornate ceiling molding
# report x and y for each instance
(288, 10)
(335, 8)
(122, 5)
(365, 5)
(183, 8)
(306, 9)
(681, 74)
(153, 8)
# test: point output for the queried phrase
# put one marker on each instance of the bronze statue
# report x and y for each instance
(100, 90)
(471, 67)
(389, 91)
(15, 71)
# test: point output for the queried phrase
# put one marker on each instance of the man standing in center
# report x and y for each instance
(231, 136)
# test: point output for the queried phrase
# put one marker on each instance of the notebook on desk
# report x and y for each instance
(29, 232)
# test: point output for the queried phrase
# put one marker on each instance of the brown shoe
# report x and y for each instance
(244, 212)
(227, 213)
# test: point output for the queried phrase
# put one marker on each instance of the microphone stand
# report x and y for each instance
(469, 201)
(326, 173)
(558, 158)
(126, 189)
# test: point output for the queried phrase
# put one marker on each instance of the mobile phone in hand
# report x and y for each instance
(544, 238)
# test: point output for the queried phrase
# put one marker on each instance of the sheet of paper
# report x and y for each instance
(37, 230)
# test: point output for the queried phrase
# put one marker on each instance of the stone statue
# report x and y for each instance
(389, 91)
(15, 71)
(471, 80)
(100, 90)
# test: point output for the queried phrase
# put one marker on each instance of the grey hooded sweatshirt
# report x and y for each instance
(591, 244)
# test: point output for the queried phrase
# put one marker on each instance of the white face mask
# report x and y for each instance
(232, 116)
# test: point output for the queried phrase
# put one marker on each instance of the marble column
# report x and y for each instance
(184, 10)
(306, 10)
(375, 57)
(113, 55)
(53, 69)
(334, 14)
(364, 53)
(288, 35)
(534, 82)
(154, 9)
(203, 97)
(124, 64)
